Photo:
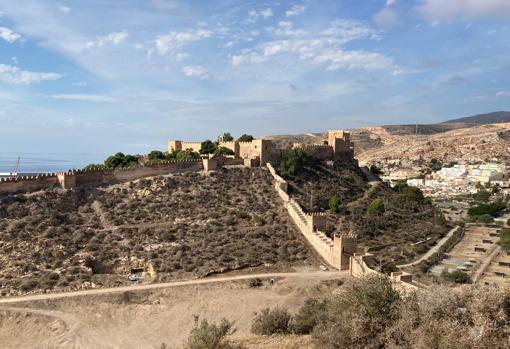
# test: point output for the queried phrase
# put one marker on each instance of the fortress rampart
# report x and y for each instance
(339, 252)
(99, 176)
(336, 251)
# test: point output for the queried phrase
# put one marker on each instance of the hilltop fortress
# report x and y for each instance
(262, 151)
(339, 252)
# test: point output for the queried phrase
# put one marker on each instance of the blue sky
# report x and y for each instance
(99, 76)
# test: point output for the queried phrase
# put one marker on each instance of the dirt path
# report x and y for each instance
(314, 274)
(433, 250)
(98, 209)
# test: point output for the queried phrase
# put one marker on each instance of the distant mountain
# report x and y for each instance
(482, 119)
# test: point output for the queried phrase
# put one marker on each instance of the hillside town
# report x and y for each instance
(462, 179)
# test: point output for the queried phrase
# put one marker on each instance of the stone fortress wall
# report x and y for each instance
(94, 177)
(337, 251)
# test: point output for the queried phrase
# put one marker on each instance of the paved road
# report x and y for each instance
(433, 250)
(101, 291)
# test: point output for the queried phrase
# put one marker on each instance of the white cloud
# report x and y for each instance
(195, 71)
(64, 9)
(79, 84)
(285, 28)
(326, 48)
(8, 35)
(295, 10)
(267, 13)
(339, 59)
(391, 2)
(71, 122)
(15, 76)
(254, 15)
(386, 18)
(114, 38)
(503, 94)
(171, 42)
(87, 98)
(444, 11)
(346, 30)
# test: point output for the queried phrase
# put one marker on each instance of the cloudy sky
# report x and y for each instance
(105, 75)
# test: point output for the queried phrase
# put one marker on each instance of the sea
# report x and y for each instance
(32, 163)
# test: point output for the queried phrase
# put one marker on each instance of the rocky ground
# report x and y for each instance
(181, 226)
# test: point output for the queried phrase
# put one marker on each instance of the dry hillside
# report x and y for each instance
(407, 217)
(476, 143)
(180, 226)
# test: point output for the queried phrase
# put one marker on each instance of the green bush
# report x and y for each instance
(457, 276)
(376, 207)
(334, 204)
(92, 167)
(376, 170)
(268, 322)
(255, 282)
(205, 335)
(309, 316)
(357, 317)
(485, 218)
(492, 209)
(182, 155)
(504, 239)
(482, 195)
(21, 198)
(223, 151)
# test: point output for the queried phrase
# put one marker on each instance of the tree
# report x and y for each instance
(334, 204)
(291, 162)
(156, 155)
(376, 207)
(223, 151)
(482, 195)
(376, 170)
(187, 154)
(207, 147)
(435, 165)
(120, 160)
(226, 137)
(245, 138)
(92, 167)
(504, 239)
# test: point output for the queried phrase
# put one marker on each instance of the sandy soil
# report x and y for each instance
(149, 318)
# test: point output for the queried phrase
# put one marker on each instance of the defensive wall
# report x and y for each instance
(359, 268)
(336, 251)
(339, 252)
(102, 176)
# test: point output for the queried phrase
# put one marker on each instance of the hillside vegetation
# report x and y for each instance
(387, 220)
(180, 226)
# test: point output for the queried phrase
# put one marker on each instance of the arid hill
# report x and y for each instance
(180, 226)
(476, 143)
(409, 146)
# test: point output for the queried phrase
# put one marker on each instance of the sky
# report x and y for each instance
(101, 76)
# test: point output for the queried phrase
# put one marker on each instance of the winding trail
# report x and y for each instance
(433, 250)
(134, 288)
